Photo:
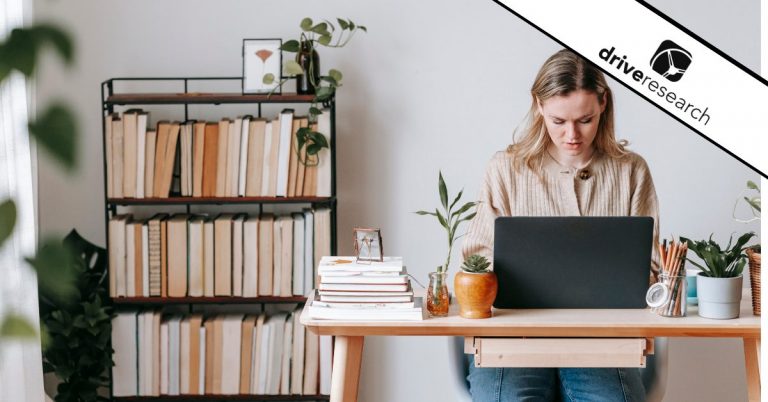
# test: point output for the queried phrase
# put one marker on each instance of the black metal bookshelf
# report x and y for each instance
(110, 99)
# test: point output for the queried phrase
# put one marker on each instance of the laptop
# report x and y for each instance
(572, 262)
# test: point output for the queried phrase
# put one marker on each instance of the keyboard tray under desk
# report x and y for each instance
(558, 352)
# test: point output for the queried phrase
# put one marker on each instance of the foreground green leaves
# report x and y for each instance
(23, 46)
(720, 263)
(56, 131)
(7, 220)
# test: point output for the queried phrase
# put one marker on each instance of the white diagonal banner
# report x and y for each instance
(667, 66)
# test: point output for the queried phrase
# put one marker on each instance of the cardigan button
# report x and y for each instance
(584, 174)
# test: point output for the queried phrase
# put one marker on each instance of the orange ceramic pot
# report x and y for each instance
(475, 293)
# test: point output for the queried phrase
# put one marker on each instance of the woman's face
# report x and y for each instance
(572, 121)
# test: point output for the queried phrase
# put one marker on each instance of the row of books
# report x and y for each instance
(354, 290)
(226, 354)
(229, 255)
(245, 156)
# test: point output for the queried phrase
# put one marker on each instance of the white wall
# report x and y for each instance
(433, 85)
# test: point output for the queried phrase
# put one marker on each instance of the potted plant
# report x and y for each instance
(450, 218)
(753, 253)
(475, 286)
(719, 284)
(305, 68)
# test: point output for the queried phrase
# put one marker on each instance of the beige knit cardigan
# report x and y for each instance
(607, 186)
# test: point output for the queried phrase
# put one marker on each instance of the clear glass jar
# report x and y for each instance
(437, 295)
(676, 302)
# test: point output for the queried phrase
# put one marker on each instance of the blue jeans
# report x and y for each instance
(554, 384)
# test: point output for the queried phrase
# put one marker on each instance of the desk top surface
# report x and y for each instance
(553, 322)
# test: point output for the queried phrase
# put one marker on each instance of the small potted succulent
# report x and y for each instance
(475, 286)
(719, 284)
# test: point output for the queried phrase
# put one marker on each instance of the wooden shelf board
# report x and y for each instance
(218, 200)
(207, 300)
(197, 97)
(210, 398)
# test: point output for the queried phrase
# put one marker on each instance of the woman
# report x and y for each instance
(567, 163)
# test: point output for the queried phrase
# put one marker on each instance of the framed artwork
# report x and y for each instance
(368, 246)
(260, 57)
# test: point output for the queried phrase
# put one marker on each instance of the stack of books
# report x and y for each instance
(352, 290)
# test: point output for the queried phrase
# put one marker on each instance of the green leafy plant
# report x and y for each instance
(79, 329)
(476, 263)
(312, 36)
(55, 131)
(450, 218)
(754, 205)
(720, 263)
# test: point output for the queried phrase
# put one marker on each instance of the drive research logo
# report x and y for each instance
(671, 60)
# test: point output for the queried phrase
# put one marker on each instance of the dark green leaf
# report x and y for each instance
(292, 68)
(336, 74)
(442, 220)
(313, 149)
(425, 213)
(323, 93)
(268, 79)
(56, 37)
(455, 200)
(464, 208)
(362, 28)
(751, 185)
(320, 29)
(7, 220)
(343, 24)
(443, 190)
(351, 25)
(19, 52)
(315, 111)
(55, 130)
(290, 46)
(16, 326)
(324, 39)
(330, 80)
(53, 264)
(306, 24)
(754, 203)
(469, 217)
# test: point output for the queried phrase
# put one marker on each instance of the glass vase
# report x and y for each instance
(437, 295)
(309, 60)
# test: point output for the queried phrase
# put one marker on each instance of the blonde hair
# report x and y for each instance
(563, 73)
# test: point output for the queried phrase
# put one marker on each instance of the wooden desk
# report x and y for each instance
(348, 347)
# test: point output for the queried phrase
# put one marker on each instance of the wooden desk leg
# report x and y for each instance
(345, 376)
(752, 361)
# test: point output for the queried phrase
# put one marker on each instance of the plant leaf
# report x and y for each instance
(55, 130)
(336, 74)
(464, 208)
(456, 199)
(441, 187)
(442, 220)
(292, 68)
(55, 273)
(56, 37)
(425, 213)
(330, 80)
(290, 46)
(323, 93)
(16, 326)
(320, 29)
(324, 39)
(268, 79)
(364, 29)
(342, 24)
(7, 220)
(751, 185)
(306, 24)
(315, 111)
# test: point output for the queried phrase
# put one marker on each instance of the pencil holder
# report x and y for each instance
(677, 301)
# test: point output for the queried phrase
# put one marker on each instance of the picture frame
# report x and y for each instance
(260, 57)
(368, 244)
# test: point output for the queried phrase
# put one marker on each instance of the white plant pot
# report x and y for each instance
(719, 298)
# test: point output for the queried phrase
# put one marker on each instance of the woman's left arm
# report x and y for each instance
(645, 203)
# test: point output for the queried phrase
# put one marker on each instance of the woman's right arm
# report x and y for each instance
(492, 203)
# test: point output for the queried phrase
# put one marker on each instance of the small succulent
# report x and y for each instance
(476, 263)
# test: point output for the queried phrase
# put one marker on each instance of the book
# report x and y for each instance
(164, 358)
(319, 310)
(364, 287)
(198, 150)
(284, 152)
(141, 150)
(364, 304)
(177, 255)
(108, 139)
(116, 228)
(209, 270)
(349, 263)
(311, 362)
(144, 356)
(196, 256)
(201, 373)
(117, 157)
(285, 365)
(138, 241)
(286, 256)
(164, 258)
(271, 153)
(322, 221)
(335, 293)
(231, 341)
(174, 355)
(276, 328)
(309, 251)
(237, 254)
(210, 159)
(277, 256)
(246, 353)
(210, 340)
(265, 342)
(184, 356)
(298, 254)
(297, 354)
(266, 252)
(145, 260)
(130, 259)
(223, 255)
(293, 161)
(149, 164)
(124, 341)
(258, 361)
(233, 157)
(324, 173)
(310, 174)
(130, 152)
(155, 254)
(243, 157)
(221, 160)
(363, 279)
(366, 299)
(251, 257)
(156, 352)
(218, 354)
(301, 165)
(185, 139)
(256, 147)
(196, 353)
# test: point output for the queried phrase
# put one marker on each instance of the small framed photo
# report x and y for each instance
(368, 246)
(261, 57)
